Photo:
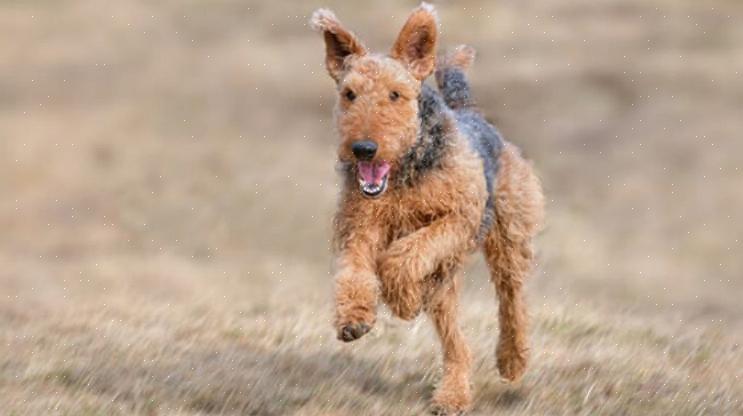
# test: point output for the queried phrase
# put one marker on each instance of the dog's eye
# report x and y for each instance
(350, 95)
(394, 95)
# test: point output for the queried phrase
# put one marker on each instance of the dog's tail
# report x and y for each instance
(450, 76)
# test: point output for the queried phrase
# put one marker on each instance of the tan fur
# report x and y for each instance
(407, 246)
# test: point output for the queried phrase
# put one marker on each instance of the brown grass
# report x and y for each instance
(167, 179)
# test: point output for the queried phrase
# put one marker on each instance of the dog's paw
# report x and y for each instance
(439, 410)
(352, 332)
(352, 321)
(448, 404)
(453, 396)
(511, 362)
(355, 313)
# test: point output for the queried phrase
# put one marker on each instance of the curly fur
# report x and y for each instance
(454, 186)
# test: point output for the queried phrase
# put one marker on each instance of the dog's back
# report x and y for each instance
(482, 136)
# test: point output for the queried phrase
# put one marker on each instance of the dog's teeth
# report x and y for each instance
(372, 189)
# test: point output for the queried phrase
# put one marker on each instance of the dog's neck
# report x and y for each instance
(433, 137)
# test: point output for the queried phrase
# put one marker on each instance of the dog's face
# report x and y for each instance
(377, 104)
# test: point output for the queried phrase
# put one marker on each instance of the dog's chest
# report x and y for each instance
(458, 189)
(407, 222)
(414, 209)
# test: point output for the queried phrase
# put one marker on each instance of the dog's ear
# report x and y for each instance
(416, 44)
(340, 43)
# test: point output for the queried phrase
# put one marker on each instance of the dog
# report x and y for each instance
(427, 181)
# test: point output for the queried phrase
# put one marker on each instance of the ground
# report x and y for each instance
(168, 185)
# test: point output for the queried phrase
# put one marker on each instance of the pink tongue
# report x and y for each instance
(373, 172)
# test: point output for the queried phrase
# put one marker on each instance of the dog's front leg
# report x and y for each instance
(356, 286)
(405, 264)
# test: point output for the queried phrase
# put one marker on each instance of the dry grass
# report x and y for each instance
(167, 173)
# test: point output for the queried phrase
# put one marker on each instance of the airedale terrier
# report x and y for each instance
(427, 181)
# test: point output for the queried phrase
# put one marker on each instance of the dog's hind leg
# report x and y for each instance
(508, 253)
(453, 393)
(509, 265)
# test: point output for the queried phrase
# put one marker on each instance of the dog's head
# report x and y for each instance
(377, 104)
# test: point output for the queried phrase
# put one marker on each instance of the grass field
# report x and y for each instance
(167, 173)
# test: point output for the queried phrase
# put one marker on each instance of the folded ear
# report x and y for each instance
(416, 44)
(340, 43)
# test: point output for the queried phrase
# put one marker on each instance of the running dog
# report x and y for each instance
(427, 181)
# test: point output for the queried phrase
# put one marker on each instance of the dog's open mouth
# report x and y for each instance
(373, 177)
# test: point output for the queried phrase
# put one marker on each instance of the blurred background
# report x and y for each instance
(167, 180)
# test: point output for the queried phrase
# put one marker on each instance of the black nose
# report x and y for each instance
(364, 149)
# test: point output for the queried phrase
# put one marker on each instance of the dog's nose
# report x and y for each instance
(364, 149)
